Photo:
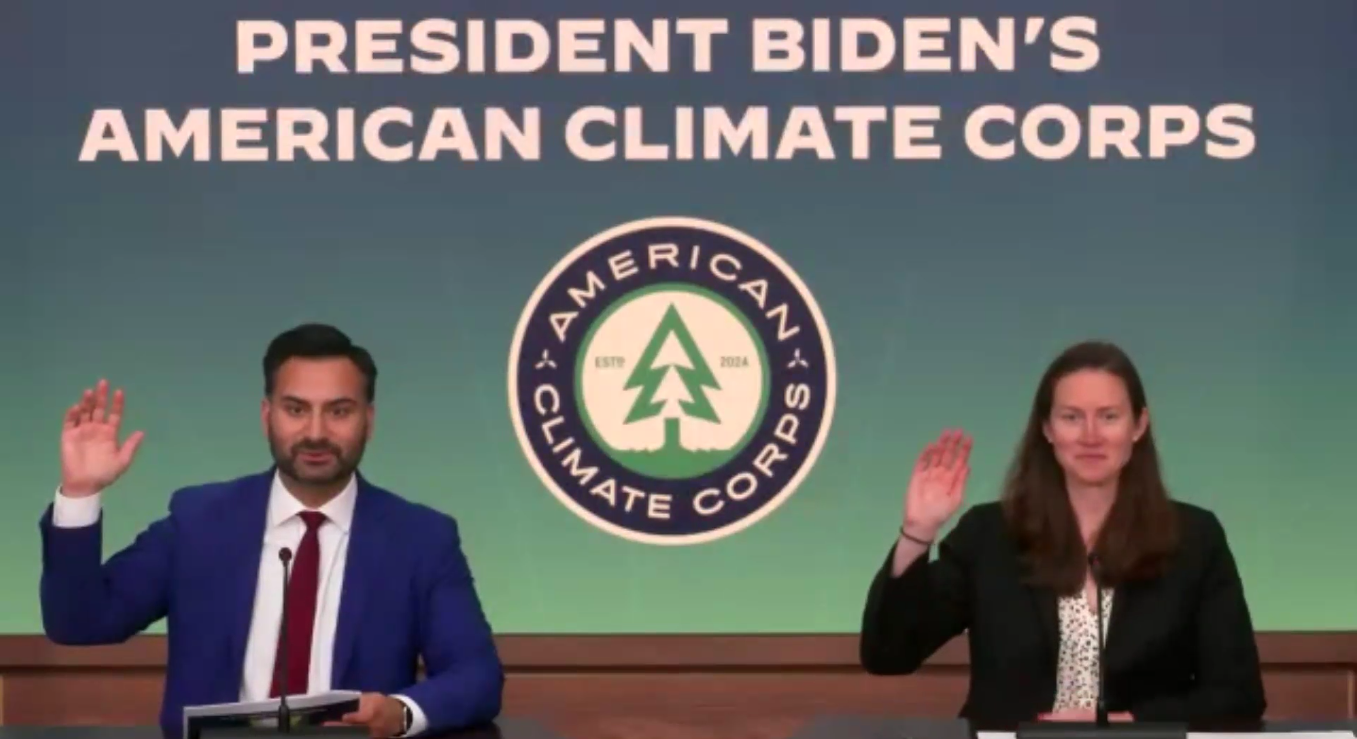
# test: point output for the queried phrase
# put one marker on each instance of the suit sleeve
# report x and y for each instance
(908, 618)
(1229, 684)
(86, 601)
(465, 679)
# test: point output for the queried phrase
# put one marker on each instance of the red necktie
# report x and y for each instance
(301, 609)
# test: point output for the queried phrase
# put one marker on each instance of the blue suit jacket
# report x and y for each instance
(408, 593)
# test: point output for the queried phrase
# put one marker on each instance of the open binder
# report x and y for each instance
(312, 709)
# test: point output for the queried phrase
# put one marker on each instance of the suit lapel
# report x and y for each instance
(363, 566)
(1044, 600)
(243, 528)
(1048, 623)
(1124, 602)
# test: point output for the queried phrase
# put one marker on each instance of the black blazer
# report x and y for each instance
(1178, 648)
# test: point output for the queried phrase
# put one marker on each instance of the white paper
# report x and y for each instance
(1269, 734)
(1215, 735)
(267, 710)
(310, 700)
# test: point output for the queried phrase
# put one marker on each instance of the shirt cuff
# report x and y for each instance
(418, 722)
(74, 513)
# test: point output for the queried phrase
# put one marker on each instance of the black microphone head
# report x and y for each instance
(285, 555)
(1095, 567)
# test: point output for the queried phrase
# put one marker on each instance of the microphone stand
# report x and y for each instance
(1100, 727)
(1100, 713)
(284, 713)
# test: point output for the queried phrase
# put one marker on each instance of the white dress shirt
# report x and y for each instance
(284, 528)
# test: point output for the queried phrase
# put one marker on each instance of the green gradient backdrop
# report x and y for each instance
(947, 286)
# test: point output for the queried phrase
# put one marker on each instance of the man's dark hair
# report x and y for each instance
(317, 341)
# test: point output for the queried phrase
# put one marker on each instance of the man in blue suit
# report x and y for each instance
(376, 582)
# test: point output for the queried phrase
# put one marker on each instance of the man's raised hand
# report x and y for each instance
(91, 456)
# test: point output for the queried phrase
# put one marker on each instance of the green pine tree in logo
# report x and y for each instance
(671, 369)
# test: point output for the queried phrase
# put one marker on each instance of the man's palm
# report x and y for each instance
(91, 456)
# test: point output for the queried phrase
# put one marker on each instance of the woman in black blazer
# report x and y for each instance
(1084, 488)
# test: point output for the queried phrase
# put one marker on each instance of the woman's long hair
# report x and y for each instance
(1141, 530)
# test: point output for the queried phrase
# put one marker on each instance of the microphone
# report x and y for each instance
(1101, 727)
(1100, 713)
(280, 670)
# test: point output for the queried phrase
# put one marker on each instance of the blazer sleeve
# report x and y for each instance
(86, 601)
(465, 678)
(1229, 682)
(908, 618)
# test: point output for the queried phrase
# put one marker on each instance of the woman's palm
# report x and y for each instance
(939, 481)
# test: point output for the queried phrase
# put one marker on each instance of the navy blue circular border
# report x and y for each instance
(539, 336)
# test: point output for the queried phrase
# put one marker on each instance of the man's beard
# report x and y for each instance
(344, 465)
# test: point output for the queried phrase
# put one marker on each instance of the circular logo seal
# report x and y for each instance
(671, 381)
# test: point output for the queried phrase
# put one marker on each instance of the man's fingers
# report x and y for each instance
(87, 406)
(100, 399)
(129, 448)
(367, 709)
(115, 411)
